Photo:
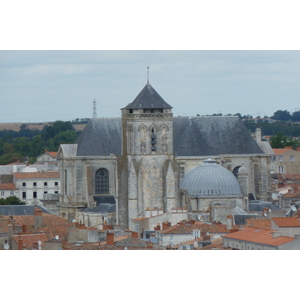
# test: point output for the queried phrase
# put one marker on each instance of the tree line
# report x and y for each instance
(27, 144)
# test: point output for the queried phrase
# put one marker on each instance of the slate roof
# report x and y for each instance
(19, 210)
(193, 136)
(257, 205)
(200, 136)
(100, 137)
(148, 98)
(102, 208)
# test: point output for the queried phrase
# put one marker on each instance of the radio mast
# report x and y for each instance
(94, 109)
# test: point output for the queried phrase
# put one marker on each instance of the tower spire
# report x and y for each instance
(147, 74)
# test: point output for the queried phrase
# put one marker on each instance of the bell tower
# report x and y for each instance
(147, 125)
(147, 148)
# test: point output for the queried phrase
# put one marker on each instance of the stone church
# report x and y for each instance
(140, 161)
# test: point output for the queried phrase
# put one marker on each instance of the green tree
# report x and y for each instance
(10, 158)
(11, 200)
(280, 141)
(296, 116)
(8, 148)
(66, 137)
(282, 115)
(60, 126)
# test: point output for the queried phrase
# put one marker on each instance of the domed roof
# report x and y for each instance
(210, 179)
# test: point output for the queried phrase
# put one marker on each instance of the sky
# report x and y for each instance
(40, 86)
(203, 57)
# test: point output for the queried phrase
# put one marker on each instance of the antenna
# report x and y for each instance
(147, 74)
(94, 109)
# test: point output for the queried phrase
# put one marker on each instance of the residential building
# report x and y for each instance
(252, 238)
(7, 190)
(285, 161)
(33, 186)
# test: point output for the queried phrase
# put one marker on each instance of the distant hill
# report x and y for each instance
(33, 126)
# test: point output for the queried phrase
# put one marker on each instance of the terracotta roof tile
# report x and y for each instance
(30, 239)
(7, 186)
(259, 236)
(29, 175)
(54, 154)
(259, 223)
(287, 222)
(279, 151)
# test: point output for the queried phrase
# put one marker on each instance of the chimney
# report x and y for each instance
(11, 232)
(166, 225)
(134, 235)
(20, 244)
(110, 238)
(157, 227)
(24, 228)
(206, 238)
(37, 211)
(203, 233)
(265, 212)
(37, 218)
(258, 134)
(229, 222)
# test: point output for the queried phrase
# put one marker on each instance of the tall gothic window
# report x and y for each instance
(102, 182)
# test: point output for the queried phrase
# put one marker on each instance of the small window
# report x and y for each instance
(24, 195)
(45, 192)
(274, 158)
(281, 169)
(56, 192)
(56, 183)
(23, 183)
(292, 158)
(34, 184)
(2, 193)
(130, 111)
(34, 195)
(280, 157)
(11, 193)
(45, 183)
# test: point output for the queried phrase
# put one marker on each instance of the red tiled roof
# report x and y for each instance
(259, 223)
(287, 222)
(259, 236)
(116, 239)
(54, 154)
(29, 175)
(7, 186)
(30, 239)
(279, 151)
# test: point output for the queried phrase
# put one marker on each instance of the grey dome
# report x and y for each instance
(210, 179)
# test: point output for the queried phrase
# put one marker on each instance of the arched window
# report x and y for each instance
(102, 182)
(236, 171)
